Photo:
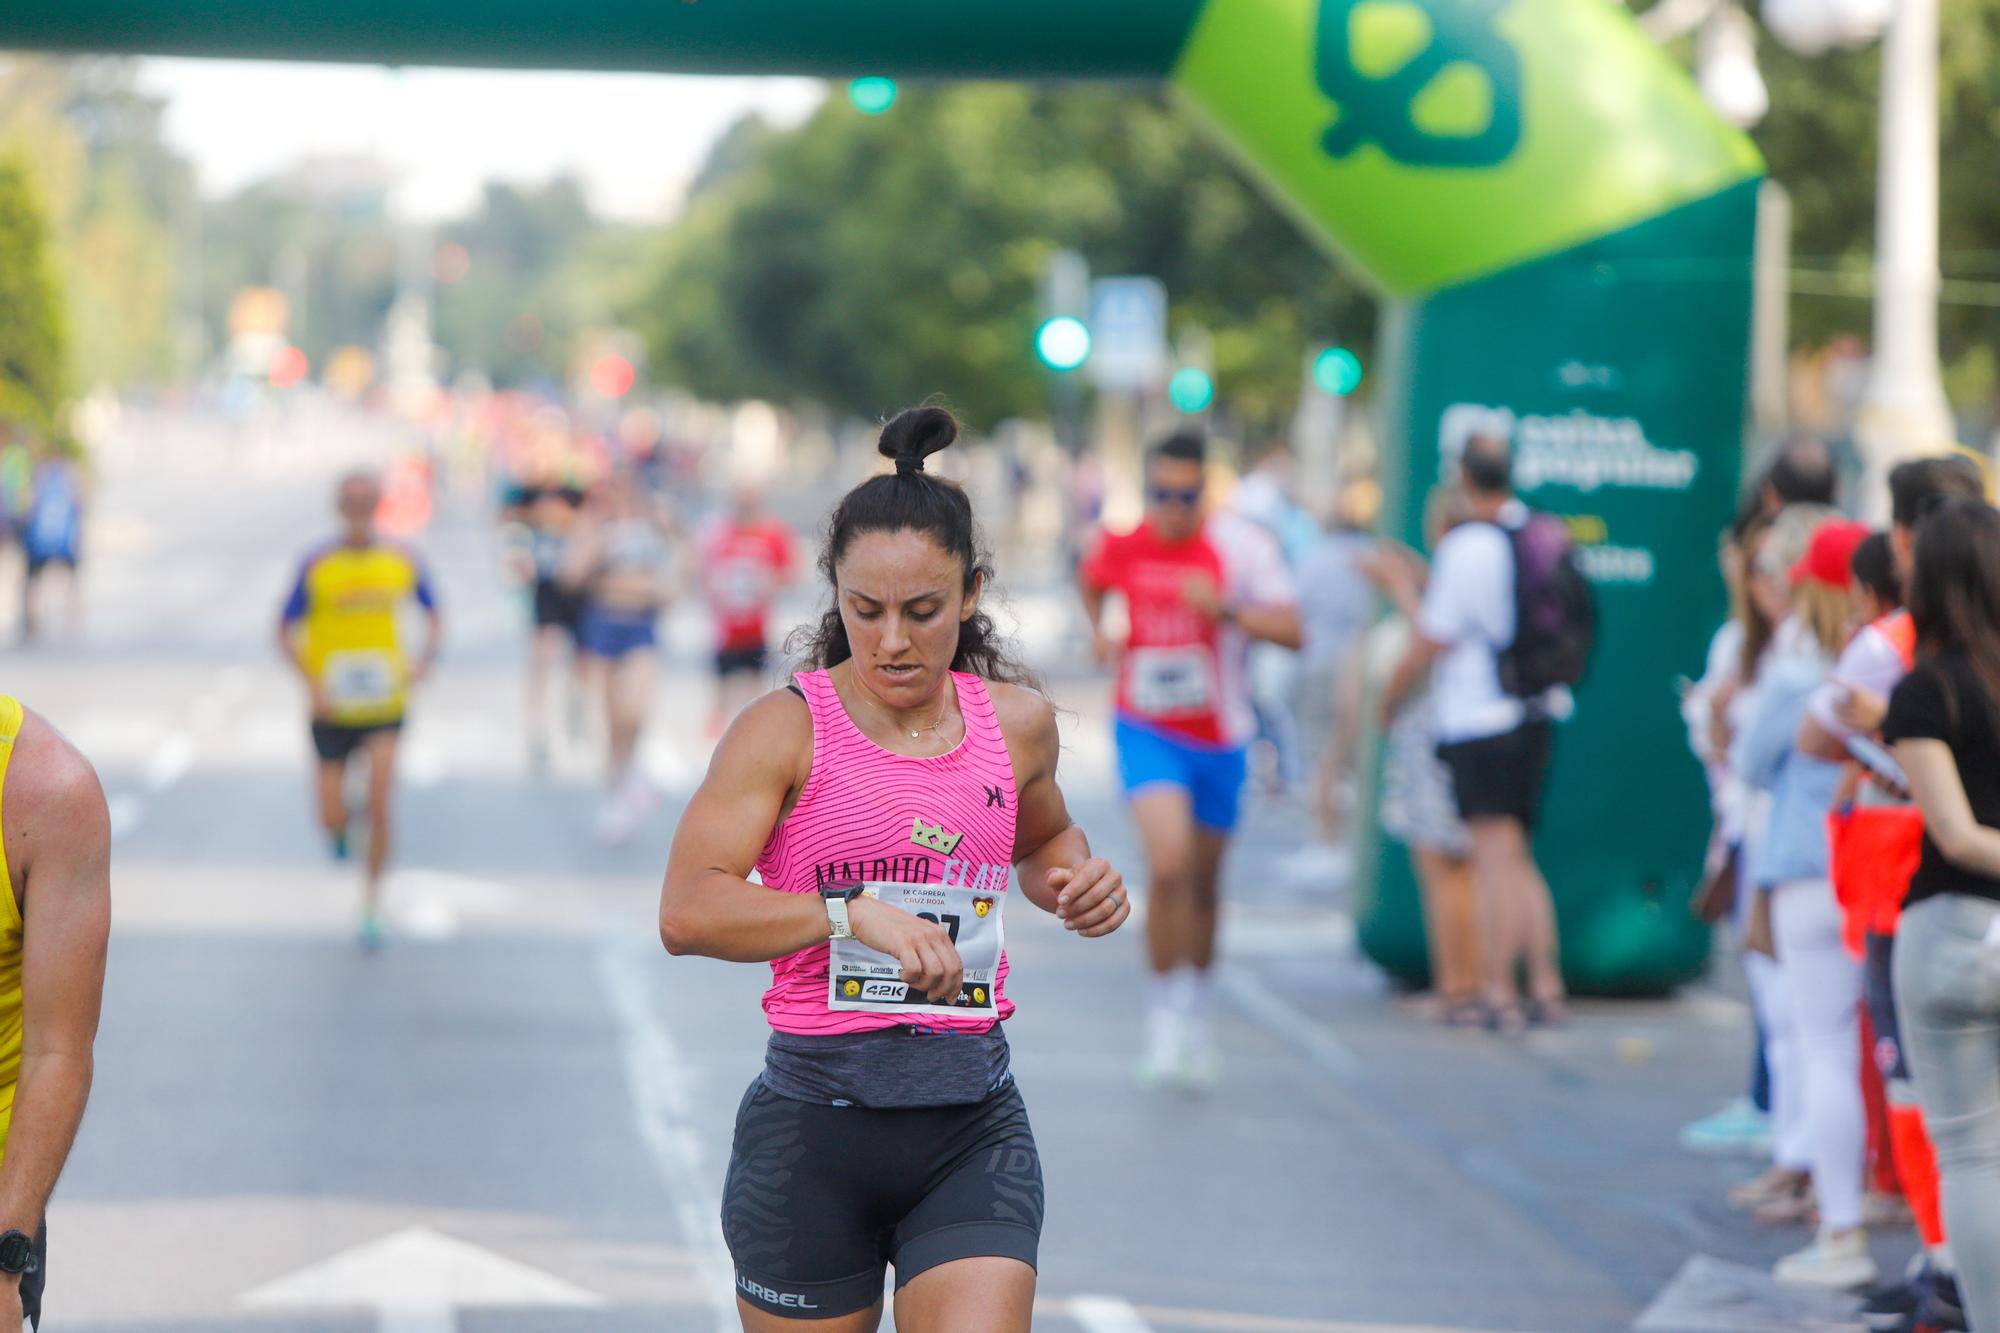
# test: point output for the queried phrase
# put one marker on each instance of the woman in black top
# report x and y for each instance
(1944, 721)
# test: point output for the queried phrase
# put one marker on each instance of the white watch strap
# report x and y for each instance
(836, 916)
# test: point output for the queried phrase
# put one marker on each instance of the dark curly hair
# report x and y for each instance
(910, 499)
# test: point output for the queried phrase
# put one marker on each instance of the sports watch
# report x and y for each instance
(836, 911)
(17, 1254)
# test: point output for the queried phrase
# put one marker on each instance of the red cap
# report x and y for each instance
(1829, 557)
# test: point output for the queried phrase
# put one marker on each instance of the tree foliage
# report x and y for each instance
(866, 264)
(33, 361)
(1820, 141)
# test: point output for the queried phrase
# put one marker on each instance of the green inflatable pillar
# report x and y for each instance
(1563, 229)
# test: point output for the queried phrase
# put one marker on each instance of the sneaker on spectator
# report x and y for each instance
(1837, 1263)
(1738, 1129)
(1894, 1305)
(1885, 1212)
(1771, 1185)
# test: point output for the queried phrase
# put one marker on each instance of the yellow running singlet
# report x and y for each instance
(10, 934)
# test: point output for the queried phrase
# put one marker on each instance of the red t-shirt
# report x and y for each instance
(743, 566)
(1182, 672)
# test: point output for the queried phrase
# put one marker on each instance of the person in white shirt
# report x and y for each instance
(1496, 745)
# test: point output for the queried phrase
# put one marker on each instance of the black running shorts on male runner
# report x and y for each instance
(333, 742)
(820, 1199)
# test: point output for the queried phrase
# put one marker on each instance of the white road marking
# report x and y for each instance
(173, 758)
(169, 763)
(126, 811)
(416, 1280)
(1257, 1000)
(1107, 1314)
(661, 1083)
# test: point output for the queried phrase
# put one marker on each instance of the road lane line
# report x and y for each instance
(1264, 1005)
(660, 1082)
(126, 810)
(170, 762)
(1107, 1314)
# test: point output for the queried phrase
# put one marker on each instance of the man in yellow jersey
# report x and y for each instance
(341, 629)
(55, 914)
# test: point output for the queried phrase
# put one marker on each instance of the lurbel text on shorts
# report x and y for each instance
(789, 1299)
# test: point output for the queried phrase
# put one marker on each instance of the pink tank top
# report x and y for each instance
(854, 822)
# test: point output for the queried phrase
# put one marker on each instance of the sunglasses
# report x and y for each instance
(1162, 496)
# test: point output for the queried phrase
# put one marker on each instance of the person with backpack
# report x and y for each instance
(1508, 620)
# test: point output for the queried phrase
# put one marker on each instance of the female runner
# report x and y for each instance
(887, 801)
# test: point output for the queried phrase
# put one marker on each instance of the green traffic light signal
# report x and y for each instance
(1191, 390)
(1337, 371)
(873, 95)
(1063, 343)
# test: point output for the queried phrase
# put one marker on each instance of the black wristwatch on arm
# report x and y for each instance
(17, 1254)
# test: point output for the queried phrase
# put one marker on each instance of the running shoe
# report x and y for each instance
(1166, 1039)
(338, 845)
(1201, 1062)
(1835, 1263)
(1738, 1129)
(1940, 1311)
(370, 933)
(1894, 1305)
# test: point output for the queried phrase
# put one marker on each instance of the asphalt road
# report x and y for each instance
(516, 1117)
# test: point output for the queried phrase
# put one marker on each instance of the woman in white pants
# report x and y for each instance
(1795, 916)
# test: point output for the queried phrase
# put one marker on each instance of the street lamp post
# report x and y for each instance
(1903, 410)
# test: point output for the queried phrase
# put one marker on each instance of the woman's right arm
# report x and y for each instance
(1939, 791)
(709, 907)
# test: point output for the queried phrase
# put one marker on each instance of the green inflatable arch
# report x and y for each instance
(1560, 225)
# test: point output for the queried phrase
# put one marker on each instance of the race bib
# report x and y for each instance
(1172, 680)
(360, 678)
(860, 979)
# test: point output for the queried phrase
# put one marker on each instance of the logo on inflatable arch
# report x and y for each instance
(1431, 85)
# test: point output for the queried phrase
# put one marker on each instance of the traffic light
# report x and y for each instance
(873, 95)
(1063, 343)
(1337, 371)
(1191, 390)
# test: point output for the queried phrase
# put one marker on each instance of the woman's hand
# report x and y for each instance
(1091, 899)
(931, 965)
(1757, 935)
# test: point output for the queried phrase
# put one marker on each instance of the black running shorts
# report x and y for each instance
(1500, 777)
(734, 661)
(333, 742)
(820, 1200)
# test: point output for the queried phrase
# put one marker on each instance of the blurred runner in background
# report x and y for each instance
(52, 535)
(1196, 594)
(619, 562)
(340, 629)
(747, 558)
(540, 520)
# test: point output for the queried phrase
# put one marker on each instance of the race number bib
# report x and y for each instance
(1172, 680)
(860, 979)
(359, 679)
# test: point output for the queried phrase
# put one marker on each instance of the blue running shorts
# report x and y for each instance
(1212, 775)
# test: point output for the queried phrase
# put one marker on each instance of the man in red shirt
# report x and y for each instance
(746, 560)
(1197, 589)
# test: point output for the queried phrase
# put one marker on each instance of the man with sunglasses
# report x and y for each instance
(1197, 590)
(341, 630)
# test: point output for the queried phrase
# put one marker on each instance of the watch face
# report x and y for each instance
(16, 1250)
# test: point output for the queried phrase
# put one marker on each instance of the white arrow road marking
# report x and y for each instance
(433, 904)
(415, 1281)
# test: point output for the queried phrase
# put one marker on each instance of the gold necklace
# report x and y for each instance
(944, 707)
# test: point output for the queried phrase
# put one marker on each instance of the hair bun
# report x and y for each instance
(915, 435)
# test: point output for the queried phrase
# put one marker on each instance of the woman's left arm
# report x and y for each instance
(1939, 791)
(1057, 871)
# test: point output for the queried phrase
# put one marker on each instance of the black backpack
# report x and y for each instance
(1555, 613)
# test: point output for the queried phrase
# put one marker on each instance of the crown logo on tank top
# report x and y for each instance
(932, 837)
